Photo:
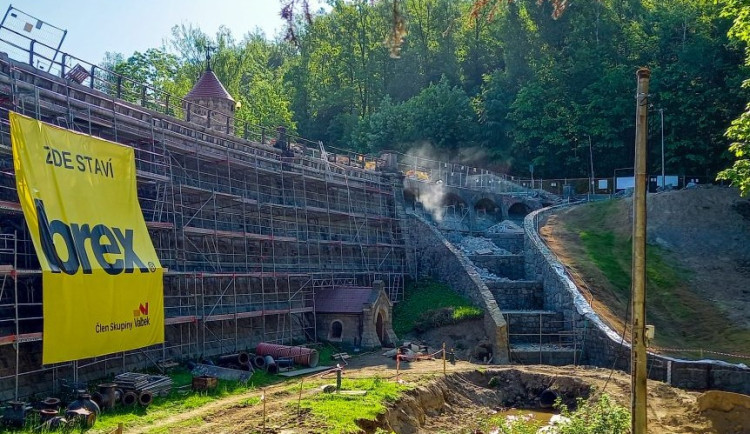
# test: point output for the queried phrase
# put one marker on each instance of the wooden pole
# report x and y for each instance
(444, 374)
(398, 366)
(638, 374)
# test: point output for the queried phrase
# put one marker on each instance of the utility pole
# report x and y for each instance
(663, 182)
(638, 375)
(591, 161)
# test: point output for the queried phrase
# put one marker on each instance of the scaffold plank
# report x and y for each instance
(25, 337)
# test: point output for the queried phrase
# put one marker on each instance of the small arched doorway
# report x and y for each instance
(337, 331)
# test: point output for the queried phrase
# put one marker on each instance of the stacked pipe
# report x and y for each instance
(301, 355)
(240, 360)
(142, 388)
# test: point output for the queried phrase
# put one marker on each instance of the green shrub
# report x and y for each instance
(602, 416)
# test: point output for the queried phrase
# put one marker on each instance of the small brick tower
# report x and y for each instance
(209, 104)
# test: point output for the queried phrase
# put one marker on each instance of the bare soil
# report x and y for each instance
(706, 230)
(454, 404)
(706, 235)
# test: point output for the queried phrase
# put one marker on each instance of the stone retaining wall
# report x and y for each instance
(508, 266)
(602, 346)
(517, 294)
(533, 327)
(509, 241)
(435, 257)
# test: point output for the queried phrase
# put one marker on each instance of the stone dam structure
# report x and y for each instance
(250, 224)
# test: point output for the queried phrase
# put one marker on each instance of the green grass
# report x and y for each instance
(180, 401)
(339, 413)
(430, 304)
(671, 305)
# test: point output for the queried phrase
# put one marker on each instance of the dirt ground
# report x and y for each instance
(705, 231)
(466, 400)
(709, 229)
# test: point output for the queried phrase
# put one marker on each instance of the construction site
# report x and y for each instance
(268, 238)
(247, 231)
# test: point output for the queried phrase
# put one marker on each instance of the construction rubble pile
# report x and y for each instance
(487, 275)
(480, 246)
(505, 226)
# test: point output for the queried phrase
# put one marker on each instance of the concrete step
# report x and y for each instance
(546, 354)
(517, 294)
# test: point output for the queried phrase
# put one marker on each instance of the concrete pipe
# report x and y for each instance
(51, 403)
(107, 394)
(145, 398)
(547, 398)
(259, 362)
(271, 366)
(241, 359)
(46, 414)
(285, 363)
(301, 355)
(129, 398)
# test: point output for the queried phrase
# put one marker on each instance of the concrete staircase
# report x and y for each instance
(536, 335)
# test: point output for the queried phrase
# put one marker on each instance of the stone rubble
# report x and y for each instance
(480, 246)
(505, 226)
(487, 276)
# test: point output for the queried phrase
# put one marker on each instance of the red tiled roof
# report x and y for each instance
(343, 300)
(209, 86)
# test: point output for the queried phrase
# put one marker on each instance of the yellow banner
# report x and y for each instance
(102, 281)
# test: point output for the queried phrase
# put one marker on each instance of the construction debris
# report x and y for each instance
(222, 373)
(480, 246)
(506, 226)
(139, 383)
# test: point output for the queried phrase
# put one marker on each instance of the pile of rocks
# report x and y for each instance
(489, 276)
(505, 226)
(480, 246)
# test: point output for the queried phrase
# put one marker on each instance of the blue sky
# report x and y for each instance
(97, 26)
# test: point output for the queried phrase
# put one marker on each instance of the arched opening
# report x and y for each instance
(487, 207)
(518, 211)
(453, 205)
(380, 328)
(337, 331)
(410, 198)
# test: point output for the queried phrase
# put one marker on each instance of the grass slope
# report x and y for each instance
(429, 304)
(597, 244)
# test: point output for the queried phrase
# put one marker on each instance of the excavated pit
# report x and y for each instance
(450, 404)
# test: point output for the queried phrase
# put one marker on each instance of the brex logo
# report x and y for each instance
(102, 239)
(142, 310)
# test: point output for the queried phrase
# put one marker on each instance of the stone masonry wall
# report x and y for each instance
(511, 242)
(509, 266)
(435, 257)
(517, 294)
(603, 346)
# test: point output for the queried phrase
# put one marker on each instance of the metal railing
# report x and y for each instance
(74, 69)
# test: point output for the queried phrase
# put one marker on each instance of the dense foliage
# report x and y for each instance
(518, 83)
(739, 173)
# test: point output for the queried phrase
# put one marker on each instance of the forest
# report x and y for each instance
(510, 86)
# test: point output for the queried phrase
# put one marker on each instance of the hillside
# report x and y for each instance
(698, 266)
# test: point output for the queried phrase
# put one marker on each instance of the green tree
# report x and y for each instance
(739, 131)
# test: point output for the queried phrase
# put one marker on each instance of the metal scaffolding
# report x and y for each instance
(245, 232)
